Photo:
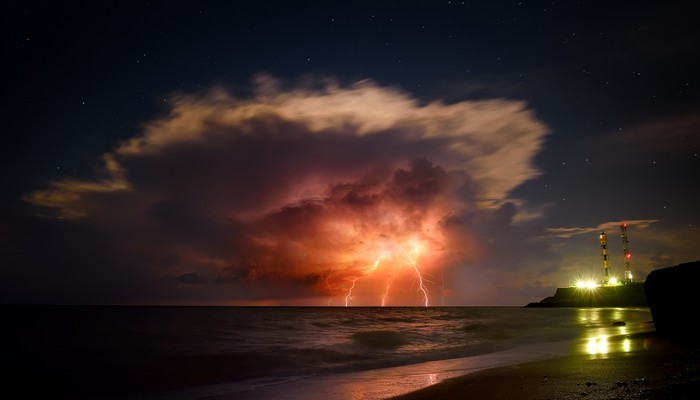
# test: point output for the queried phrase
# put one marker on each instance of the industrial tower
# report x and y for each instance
(604, 254)
(626, 254)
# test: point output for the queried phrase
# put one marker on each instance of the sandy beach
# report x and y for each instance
(657, 368)
(635, 366)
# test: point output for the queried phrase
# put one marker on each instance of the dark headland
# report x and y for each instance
(670, 288)
(626, 295)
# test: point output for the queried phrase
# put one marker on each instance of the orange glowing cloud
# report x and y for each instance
(352, 195)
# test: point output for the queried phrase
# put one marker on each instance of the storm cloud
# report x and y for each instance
(292, 195)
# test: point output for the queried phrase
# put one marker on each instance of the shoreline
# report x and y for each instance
(389, 382)
(658, 369)
(628, 365)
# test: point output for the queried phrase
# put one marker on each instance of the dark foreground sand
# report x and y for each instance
(658, 369)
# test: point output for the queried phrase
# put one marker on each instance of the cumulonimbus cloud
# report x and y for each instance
(309, 186)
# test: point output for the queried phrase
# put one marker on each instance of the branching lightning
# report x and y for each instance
(367, 272)
(410, 260)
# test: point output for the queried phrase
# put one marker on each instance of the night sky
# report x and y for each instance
(333, 153)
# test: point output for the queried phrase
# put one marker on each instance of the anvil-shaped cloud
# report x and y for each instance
(290, 196)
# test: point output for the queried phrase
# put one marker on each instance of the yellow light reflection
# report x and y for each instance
(603, 345)
(586, 316)
(600, 345)
(592, 346)
(597, 345)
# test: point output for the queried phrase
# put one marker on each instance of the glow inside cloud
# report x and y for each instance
(296, 193)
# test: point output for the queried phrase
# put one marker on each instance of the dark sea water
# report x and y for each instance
(284, 352)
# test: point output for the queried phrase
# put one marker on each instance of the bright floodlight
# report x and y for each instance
(585, 284)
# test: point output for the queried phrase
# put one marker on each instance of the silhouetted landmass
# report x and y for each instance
(672, 295)
(627, 295)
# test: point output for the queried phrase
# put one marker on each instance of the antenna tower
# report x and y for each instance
(604, 254)
(626, 254)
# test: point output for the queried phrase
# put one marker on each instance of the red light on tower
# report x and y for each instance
(626, 253)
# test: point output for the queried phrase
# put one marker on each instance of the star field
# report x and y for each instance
(581, 116)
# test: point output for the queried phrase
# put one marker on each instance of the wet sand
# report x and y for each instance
(654, 368)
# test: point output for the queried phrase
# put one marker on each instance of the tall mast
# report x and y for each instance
(604, 254)
(626, 254)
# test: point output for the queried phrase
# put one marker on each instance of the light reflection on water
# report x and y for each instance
(597, 345)
(626, 345)
(603, 345)
(608, 332)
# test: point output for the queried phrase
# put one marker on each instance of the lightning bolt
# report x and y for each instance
(330, 288)
(347, 297)
(354, 280)
(410, 261)
(421, 282)
(389, 280)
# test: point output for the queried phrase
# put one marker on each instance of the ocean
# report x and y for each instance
(224, 353)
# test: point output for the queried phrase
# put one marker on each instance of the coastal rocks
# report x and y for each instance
(672, 293)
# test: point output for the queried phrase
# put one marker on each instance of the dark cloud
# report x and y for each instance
(191, 278)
